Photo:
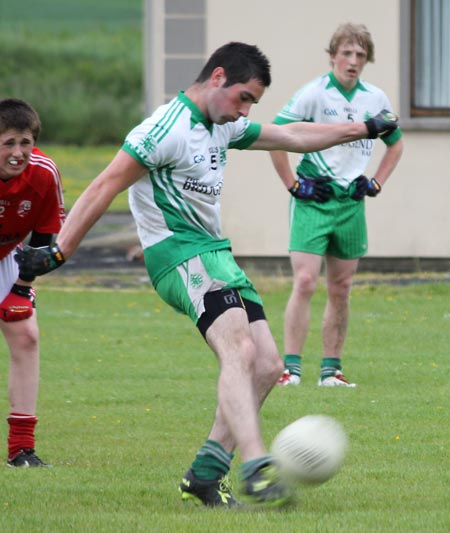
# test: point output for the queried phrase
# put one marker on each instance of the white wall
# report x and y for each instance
(411, 216)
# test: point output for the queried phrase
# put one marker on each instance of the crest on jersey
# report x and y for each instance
(24, 208)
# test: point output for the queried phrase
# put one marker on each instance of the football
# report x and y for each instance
(310, 450)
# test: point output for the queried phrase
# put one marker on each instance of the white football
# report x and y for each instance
(311, 449)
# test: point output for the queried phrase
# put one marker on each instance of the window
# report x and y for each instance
(175, 47)
(426, 63)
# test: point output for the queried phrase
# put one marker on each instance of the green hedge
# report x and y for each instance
(86, 85)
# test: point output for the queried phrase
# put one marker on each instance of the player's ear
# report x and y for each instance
(218, 77)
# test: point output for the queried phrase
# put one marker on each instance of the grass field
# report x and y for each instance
(128, 392)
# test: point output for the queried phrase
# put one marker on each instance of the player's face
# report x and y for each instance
(15, 152)
(230, 103)
(348, 63)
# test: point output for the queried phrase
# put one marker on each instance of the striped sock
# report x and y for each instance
(211, 460)
(329, 366)
(293, 363)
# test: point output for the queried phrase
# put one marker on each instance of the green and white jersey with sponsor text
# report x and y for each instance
(324, 100)
(176, 205)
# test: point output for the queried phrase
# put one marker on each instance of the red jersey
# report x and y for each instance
(30, 201)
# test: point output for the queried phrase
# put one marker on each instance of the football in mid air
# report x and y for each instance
(310, 450)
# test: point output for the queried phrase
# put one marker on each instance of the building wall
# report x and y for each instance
(410, 218)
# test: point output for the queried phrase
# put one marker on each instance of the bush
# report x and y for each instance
(87, 86)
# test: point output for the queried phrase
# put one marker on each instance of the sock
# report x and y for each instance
(293, 363)
(21, 433)
(211, 461)
(250, 467)
(329, 366)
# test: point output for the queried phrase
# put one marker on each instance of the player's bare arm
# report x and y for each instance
(122, 172)
(306, 137)
(389, 162)
(280, 160)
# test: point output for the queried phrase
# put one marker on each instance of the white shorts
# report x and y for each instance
(9, 272)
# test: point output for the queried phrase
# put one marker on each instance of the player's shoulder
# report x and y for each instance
(313, 87)
(41, 164)
(371, 88)
(165, 121)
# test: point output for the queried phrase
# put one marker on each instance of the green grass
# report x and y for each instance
(128, 394)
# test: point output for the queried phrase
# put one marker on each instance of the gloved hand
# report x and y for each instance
(18, 305)
(381, 124)
(365, 187)
(311, 189)
(38, 261)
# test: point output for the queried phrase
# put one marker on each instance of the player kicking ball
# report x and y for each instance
(173, 164)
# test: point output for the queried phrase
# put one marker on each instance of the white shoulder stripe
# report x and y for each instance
(48, 164)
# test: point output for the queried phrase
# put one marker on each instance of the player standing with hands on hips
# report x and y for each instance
(173, 165)
(327, 216)
(31, 200)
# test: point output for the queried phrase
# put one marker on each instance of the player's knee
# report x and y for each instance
(28, 339)
(269, 364)
(304, 283)
(340, 290)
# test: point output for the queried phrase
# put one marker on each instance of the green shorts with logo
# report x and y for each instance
(185, 286)
(337, 227)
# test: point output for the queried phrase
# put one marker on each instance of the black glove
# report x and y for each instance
(38, 261)
(311, 189)
(365, 187)
(381, 124)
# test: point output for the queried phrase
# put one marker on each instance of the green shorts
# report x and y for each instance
(185, 286)
(337, 227)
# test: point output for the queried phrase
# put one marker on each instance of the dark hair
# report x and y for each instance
(17, 114)
(241, 63)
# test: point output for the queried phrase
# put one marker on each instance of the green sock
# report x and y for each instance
(250, 467)
(329, 366)
(211, 461)
(293, 363)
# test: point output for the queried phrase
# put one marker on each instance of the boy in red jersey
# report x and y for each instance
(31, 201)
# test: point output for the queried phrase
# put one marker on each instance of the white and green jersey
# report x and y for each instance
(324, 100)
(176, 205)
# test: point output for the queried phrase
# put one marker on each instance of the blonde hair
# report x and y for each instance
(356, 33)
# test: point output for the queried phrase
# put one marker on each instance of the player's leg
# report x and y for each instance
(23, 341)
(238, 396)
(310, 225)
(266, 372)
(22, 338)
(223, 316)
(348, 244)
(249, 368)
(306, 269)
(339, 275)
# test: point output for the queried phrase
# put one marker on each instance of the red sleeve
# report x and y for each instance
(52, 212)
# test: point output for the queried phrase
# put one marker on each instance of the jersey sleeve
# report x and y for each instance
(151, 145)
(245, 134)
(392, 137)
(300, 108)
(52, 212)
